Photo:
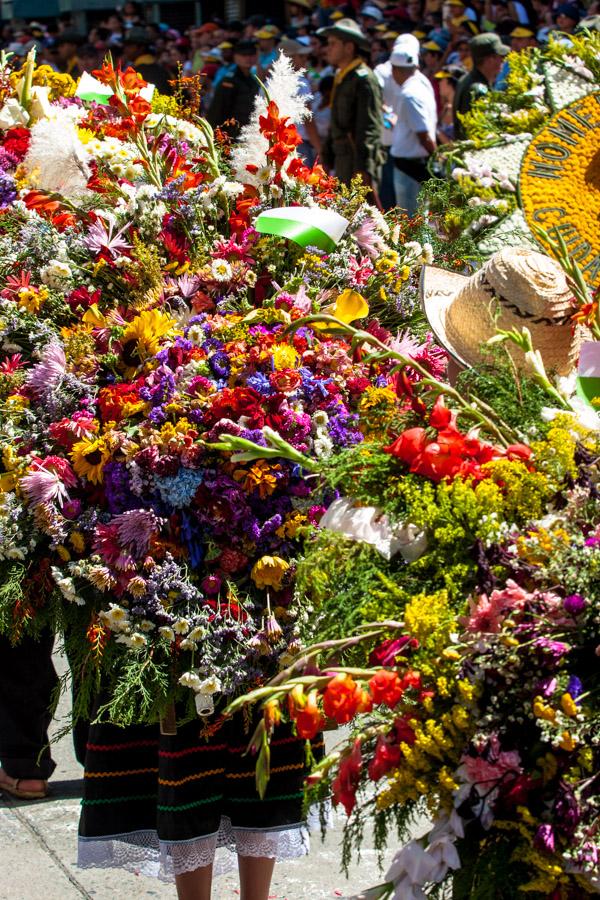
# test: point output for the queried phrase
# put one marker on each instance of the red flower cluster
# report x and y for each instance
(282, 135)
(16, 141)
(451, 454)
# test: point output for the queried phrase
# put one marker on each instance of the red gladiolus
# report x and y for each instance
(389, 650)
(409, 445)
(345, 785)
(387, 756)
(342, 699)
(440, 416)
(386, 687)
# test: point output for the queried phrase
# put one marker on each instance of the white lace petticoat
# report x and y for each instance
(142, 851)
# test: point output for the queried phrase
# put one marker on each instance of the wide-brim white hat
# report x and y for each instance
(516, 287)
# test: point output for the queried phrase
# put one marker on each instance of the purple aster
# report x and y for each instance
(220, 364)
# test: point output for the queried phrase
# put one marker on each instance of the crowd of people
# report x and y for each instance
(388, 81)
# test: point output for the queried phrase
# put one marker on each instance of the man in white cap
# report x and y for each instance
(413, 137)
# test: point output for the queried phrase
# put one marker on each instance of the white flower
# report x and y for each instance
(190, 680)
(196, 633)
(146, 625)
(187, 644)
(323, 445)
(181, 626)
(56, 273)
(167, 633)
(195, 334)
(57, 157)
(320, 418)
(427, 255)
(137, 640)
(116, 618)
(210, 685)
(221, 270)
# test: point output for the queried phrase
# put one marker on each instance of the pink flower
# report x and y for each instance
(11, 364)
(487, 614)
(44, 486)
(106, 241)
(486, 769)
(368, 238)
(49, 372)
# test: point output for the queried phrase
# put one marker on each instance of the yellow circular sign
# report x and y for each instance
(560, 182)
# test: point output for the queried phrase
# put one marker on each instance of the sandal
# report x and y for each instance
(10, 786)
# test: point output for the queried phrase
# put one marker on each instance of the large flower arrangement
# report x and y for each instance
(480, 194)
(455, 583)
(142, 317)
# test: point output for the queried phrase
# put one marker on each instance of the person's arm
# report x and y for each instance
(418, 117)
(426, 141)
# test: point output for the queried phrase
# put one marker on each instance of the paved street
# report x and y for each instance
(38, 852)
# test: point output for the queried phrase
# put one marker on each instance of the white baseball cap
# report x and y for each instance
(405, 52)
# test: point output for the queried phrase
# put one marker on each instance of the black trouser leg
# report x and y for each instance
(27, 679)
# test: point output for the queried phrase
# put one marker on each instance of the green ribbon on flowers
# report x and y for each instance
(90, 88)
(306, 226)
(588, 374)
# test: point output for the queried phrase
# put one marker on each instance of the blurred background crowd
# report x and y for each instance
(386, 80)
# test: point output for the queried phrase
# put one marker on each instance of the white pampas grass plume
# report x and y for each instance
(283, 87)
(56, 159)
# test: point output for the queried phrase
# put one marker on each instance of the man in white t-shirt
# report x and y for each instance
(413, 137)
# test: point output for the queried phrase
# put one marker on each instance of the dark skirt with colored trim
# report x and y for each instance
(165, 805)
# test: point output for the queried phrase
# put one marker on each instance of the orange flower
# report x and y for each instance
(106, 74)
(131, 81)
(342, 699)
(386, 687)
(309, 720)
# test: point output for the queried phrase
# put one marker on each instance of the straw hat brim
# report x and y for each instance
(438, 288)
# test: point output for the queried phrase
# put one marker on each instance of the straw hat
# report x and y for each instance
(516, 287)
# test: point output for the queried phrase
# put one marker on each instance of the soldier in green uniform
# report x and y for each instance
(353, 145)
(234, 96)
(488, 54)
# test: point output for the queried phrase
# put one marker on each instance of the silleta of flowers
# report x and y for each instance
(224, 492)
(456, 582)
(142, 317)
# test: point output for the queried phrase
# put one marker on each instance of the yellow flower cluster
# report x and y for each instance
(377, 409)
(560, 178)
(61, 85)
(424, 770)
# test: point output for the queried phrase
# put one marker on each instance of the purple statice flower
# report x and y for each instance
(8, 189)
(575, 687)
(343, 431)
(574, 604)
(566, 809)
(116, 488)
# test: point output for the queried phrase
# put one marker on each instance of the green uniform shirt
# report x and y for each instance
(469, 88)
(354, 140)
(233, 99)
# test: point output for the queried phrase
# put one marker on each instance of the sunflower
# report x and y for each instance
(88, 458)
(141, 338)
